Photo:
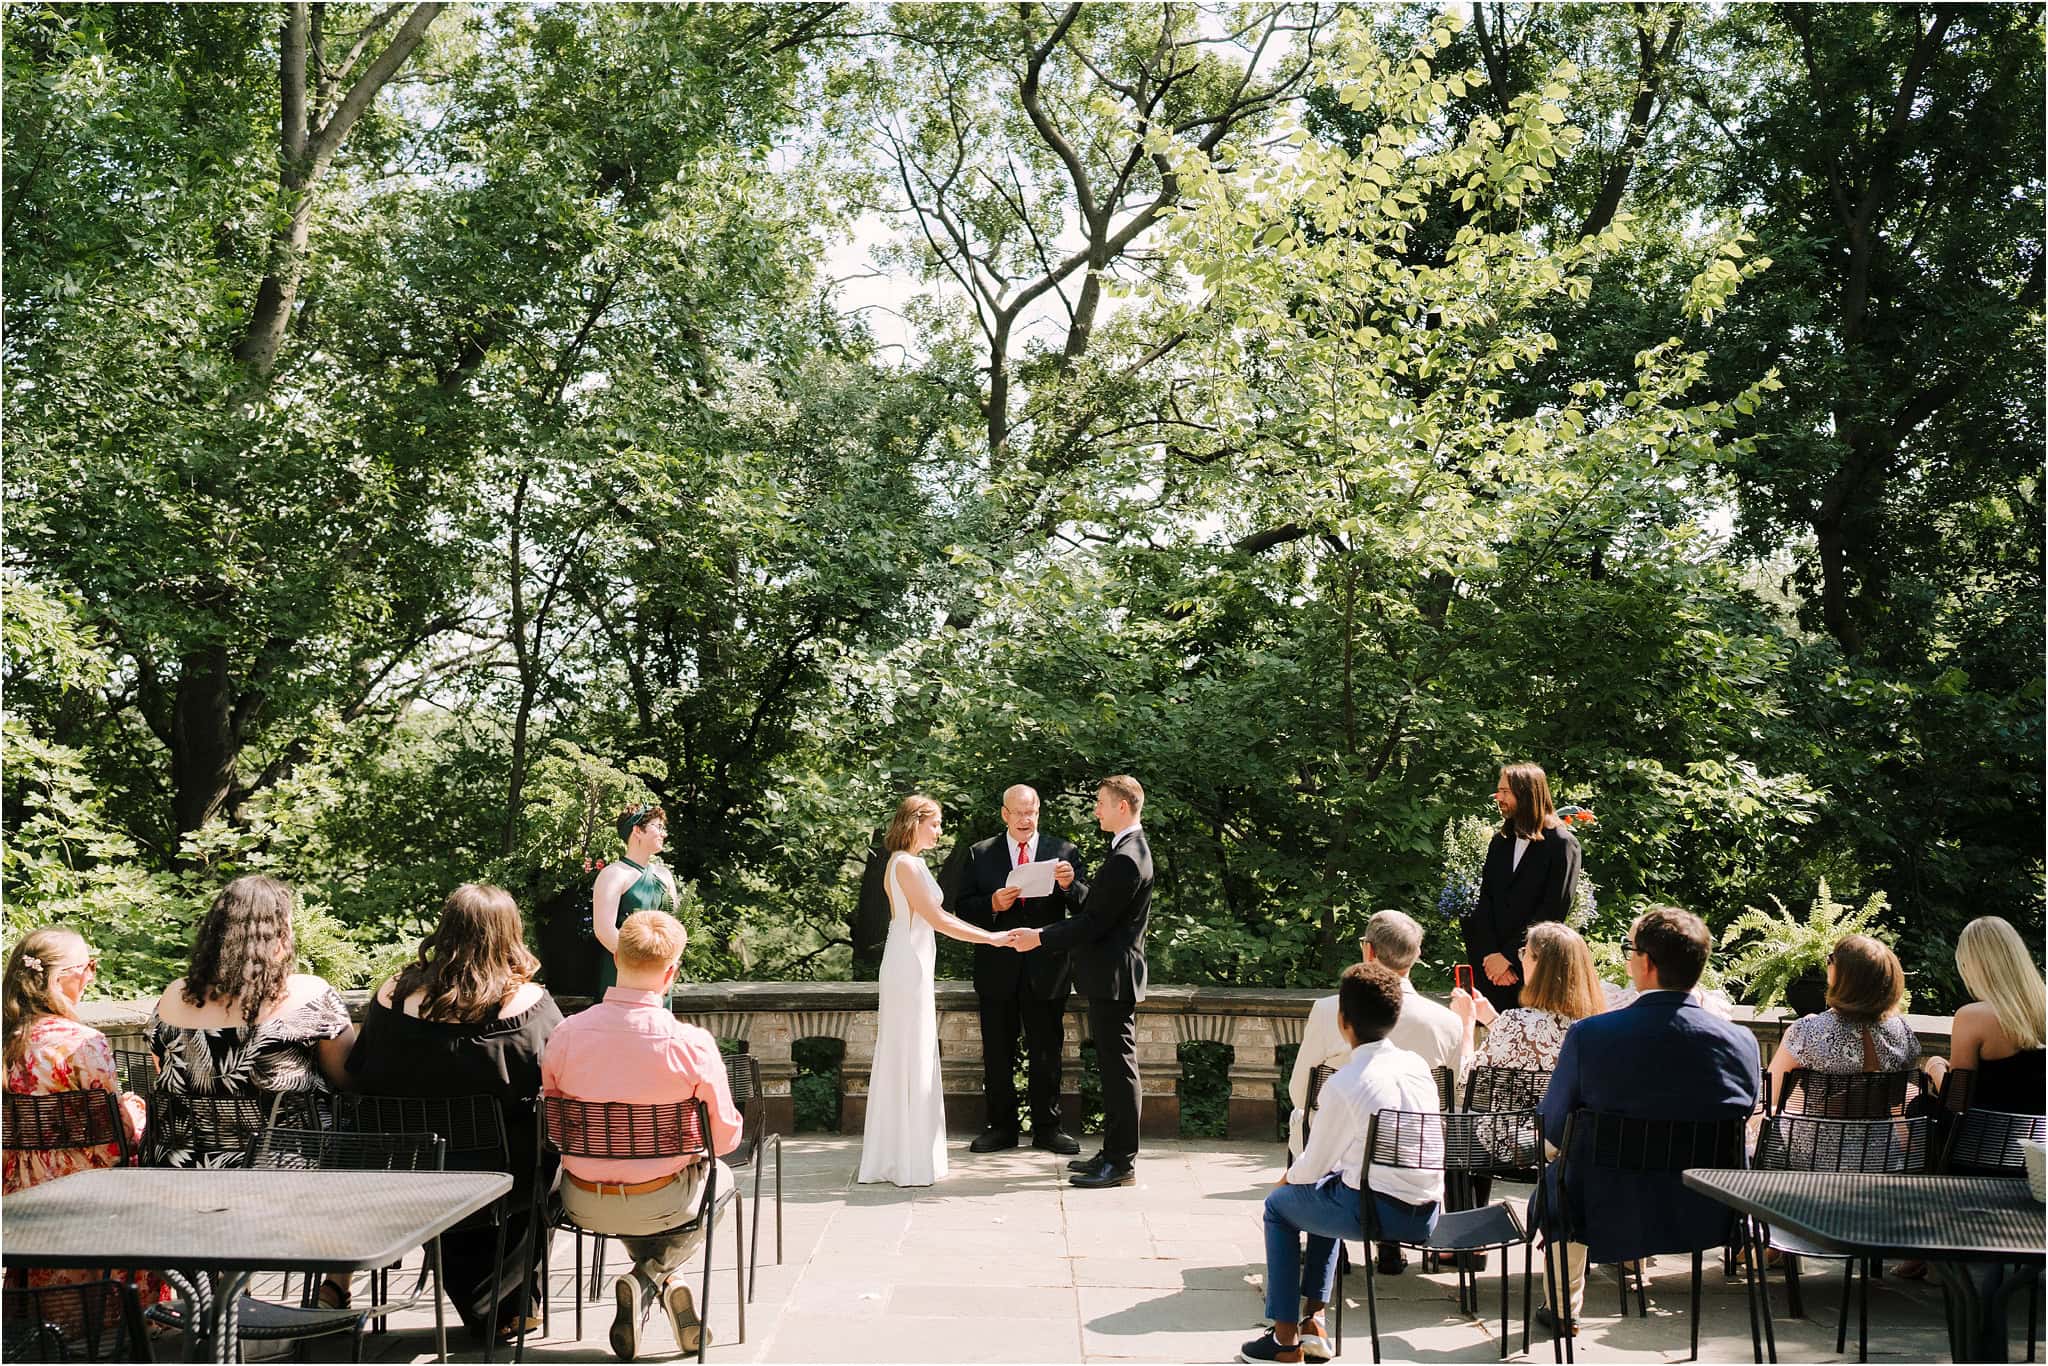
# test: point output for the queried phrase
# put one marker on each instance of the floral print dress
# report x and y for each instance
(278, 1057)
(64, 1055)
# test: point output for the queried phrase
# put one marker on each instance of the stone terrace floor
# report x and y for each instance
(1003, 1261)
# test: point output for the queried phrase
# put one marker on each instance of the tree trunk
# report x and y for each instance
(204, 747)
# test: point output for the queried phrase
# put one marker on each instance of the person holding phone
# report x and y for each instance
(1531, 873)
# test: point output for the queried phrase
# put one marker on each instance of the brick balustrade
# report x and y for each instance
(769, 1018)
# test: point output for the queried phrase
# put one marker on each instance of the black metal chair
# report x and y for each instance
(1849, 1095)
(83, 1321)
(67, 1119)
(277, 1148)
(476, 1139)
(1416, 1140)
(743, 1077)
(1597, 1143)
(220, 1131)
(618, 1131)
(1987, 1143)
(135, 1069)
(1805, 1143)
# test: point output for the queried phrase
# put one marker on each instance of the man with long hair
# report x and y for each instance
(1531, 874)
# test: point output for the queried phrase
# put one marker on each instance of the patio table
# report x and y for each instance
(1949, 1222)
(232, 1224)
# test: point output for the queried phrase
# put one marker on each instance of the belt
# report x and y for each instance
(623, 1187)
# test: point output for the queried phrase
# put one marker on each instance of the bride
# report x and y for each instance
(905, 1139)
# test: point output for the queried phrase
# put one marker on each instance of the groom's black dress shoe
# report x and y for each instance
(1055, 1141)
(1105, 1174)
(1086, 1164)
(993, 1141)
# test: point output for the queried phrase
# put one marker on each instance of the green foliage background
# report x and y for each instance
(1588, 384)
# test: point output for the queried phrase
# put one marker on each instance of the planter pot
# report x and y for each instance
(1808, 994)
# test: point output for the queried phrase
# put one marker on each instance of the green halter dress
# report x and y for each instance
(650, 893)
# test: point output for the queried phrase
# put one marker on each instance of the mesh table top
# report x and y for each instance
(1923, 1218)
(237, 1220)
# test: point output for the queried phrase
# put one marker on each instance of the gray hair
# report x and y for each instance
(1396, 940)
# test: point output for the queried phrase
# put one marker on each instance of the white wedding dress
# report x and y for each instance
(905, 1139)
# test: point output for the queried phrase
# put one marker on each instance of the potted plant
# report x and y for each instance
(1787, 960)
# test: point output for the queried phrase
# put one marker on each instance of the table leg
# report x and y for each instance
(1976, 1293)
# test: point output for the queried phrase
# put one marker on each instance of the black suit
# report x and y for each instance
(1105, 941)
(1512, 898)
(1017, 989)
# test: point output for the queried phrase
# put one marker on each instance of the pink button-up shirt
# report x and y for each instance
(628, 1047)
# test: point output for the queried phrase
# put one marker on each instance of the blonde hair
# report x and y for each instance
(903, 824)
(1124, 788)
(30, 986)
(1999, 971)
(650, 939)
(1561, 975)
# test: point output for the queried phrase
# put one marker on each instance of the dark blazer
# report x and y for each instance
(998, 972)
(1662, 1057)
(1106, 935)
(1512, 898)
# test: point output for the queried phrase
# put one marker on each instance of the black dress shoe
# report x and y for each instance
(993, 1141)
(1106, 1174)
(1055, 1141)
(1086, 1164)
(1547, 1321)
(1392, 1261)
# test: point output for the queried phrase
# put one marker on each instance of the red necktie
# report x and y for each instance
(1020, 856)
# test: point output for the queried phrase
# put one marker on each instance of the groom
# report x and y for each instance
(1106, 941)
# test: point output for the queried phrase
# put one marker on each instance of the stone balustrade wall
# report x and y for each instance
(769, 1018)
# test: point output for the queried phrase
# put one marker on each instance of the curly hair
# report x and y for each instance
(244, 951)
(475, 958)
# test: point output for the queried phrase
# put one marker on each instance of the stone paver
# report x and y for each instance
(1003, 1262)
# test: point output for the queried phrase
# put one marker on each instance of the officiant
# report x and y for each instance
(1020, 993)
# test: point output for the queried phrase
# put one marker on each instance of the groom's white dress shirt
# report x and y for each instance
(1122, 835)
(1378, 1077)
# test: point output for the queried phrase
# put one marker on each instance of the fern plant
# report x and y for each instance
(1787, 948)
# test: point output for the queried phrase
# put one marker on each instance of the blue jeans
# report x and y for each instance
(1327, 1212)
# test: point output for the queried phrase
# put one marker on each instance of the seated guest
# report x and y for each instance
(1999, 1034)
(1426, 1029)
(1559, 988)
(1319, 1195)
(240, 1022)
(48, 1050)
(1861, 1030)
(1662, 1057)
(628, 1047)
(462, 1019)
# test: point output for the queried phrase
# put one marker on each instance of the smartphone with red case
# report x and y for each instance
(1461, 976)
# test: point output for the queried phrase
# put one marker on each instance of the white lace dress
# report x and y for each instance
(904, 1142)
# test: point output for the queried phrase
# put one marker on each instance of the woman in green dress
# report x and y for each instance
(634, 882)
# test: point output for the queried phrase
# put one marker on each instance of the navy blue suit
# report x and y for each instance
(1662, 1057)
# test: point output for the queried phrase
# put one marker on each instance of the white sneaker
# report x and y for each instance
(634, 1300)
(682, 1314)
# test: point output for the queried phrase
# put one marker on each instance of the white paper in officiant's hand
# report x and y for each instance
(1033, 879)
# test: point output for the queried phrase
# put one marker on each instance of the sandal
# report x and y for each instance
(332, 1296)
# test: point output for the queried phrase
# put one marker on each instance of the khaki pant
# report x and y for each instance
(1573, 1255)
(641, 1222)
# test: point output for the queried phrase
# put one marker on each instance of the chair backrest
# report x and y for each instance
(66, 1119)
(1808, 1143)
(220, 1131)
(338, 1150)
(1958, 1089)
(83, 1321)
(1505, 1142)
(1630, 1169)
(134, 1069)
(1446, 1087)
(1506, 1088)
(617, 1129)
(1317, 1075)
(1987, 1143)
(472, 1128)
(1628, 1144)
(1848, 1095)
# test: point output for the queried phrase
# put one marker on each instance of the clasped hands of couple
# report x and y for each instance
(1025, 940)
